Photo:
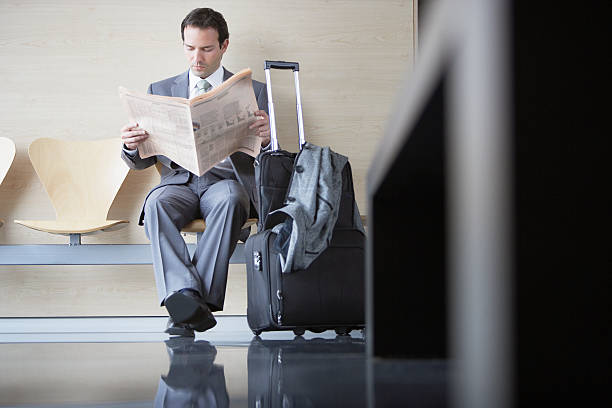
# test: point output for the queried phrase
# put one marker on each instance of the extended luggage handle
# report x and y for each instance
(282, 65)
(298, 100)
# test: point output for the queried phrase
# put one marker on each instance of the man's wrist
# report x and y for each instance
(129, 151)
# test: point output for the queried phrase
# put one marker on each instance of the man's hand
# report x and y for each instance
(262, 126)
(132, 135)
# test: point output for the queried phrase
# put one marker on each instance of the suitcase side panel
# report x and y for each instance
(330, 292)
(263, 282)
(258, 283)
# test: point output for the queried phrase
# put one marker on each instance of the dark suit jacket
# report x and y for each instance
(172, 173)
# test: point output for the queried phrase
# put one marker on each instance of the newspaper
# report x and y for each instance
(197, 133)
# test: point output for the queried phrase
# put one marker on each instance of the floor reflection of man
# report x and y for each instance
(192, 380)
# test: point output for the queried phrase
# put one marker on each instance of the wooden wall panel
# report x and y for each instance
(114, 290)
(62, 62)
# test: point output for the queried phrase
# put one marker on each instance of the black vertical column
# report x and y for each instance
(407, 243)
(562, 210)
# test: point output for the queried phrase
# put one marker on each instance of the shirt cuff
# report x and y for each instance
(130, 152)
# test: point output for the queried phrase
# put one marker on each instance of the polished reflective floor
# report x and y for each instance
(274, 370)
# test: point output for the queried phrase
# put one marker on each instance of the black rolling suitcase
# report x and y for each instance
(330, 293)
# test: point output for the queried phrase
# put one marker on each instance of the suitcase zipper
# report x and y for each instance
(257, 261)
(279, 316)
(279, 294)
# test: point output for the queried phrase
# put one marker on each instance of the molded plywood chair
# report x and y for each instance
(7, 154)
(82, 179)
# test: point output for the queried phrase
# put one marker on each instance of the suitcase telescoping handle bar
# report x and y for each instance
(295, 67)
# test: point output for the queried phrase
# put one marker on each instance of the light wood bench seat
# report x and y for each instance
(199, 225)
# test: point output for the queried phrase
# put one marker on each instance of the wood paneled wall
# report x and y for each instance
(62, 62)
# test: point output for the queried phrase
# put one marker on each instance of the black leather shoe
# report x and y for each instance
(187, 307)
(208, 321)
(179, 329)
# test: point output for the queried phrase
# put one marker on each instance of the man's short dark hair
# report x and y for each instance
(205, 18)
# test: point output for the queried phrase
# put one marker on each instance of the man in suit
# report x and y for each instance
(225, 196)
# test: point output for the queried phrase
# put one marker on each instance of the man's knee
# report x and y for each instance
(155, 202)
(231, 196)
(152, 209)
(159, 205)
(238, 199)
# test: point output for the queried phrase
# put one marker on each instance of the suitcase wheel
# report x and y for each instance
(317, 330)
(257, 332)
(343, 331)
(299, 332)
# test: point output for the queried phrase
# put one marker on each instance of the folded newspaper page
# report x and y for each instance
(200, 132)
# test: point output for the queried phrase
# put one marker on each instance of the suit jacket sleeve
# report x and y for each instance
(132, 158)
(262, 99)
(262, 102)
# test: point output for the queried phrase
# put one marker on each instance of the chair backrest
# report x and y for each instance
(158, 167)
(7, 154)
(82, 178)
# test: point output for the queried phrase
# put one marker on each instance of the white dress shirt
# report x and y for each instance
(215, 79)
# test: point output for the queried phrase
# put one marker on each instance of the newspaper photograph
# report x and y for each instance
(197, 133)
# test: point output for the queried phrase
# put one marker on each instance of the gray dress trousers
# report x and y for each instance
(224, 205)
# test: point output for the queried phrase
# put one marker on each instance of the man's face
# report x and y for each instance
(202, 50)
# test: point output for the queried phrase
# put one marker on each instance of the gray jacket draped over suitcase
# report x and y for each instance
(313, 202)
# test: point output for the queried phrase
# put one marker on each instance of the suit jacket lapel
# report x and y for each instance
(180, 87)
(226, 74)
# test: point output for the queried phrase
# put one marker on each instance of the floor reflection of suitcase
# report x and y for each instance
(307, 373)
(330, 293)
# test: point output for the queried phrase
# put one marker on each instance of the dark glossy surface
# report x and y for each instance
(187, 372)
